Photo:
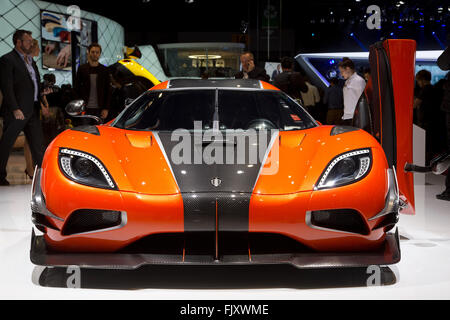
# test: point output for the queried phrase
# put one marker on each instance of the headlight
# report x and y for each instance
(346, 168)
(84, 168)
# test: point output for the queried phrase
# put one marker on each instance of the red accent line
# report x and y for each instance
(217, 236)
(184, 249)
(249, 253)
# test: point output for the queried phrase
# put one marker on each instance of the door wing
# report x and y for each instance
(392, 64)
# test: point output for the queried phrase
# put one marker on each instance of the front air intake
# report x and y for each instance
(91, 220)
(341, 220)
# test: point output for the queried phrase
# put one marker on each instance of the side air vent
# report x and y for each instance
(387, 222)
(87, 129)
(341, 220)
(342, 129)
(91, 220)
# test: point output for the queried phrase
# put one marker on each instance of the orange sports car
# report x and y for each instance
(232, 172)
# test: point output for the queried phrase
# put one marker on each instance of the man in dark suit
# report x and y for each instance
(20, 85)
(250, 70)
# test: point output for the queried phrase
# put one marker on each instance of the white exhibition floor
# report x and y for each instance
(423, 272)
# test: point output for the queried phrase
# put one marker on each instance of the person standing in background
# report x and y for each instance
(311, 99)
(92, 84)
(250, 70)
(443, 63)
(353, 88)
(334, 101)
(29, 170)
(20, 85)
(53, 124)
(290, 82)
(366, 74)
(431, 118)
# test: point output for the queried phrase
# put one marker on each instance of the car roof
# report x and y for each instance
(215, 83)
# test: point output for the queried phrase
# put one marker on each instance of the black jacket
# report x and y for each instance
(82, 85)
(444, 63)
(291, 83)
(16, 84)
(257, 74)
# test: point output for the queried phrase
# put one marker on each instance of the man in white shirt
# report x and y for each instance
(353, 88)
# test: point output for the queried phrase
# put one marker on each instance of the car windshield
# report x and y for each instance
(228, 109)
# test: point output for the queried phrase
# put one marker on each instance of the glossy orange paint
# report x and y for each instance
(122, 154)
(161, 86)
(146, 214)
(153, 206)
(280, 201)
(285, 214)
(305, 154)
(402, 57)
(268, 86)
(149, 194)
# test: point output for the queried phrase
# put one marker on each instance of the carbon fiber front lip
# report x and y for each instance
(388, 254)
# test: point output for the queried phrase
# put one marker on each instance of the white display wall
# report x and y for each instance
(25, 14)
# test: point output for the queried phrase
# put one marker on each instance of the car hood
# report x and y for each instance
(152, 162)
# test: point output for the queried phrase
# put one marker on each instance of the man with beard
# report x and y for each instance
(20, 85)
(250, 70)
(92, 83)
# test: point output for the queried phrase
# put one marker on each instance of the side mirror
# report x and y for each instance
(75, 108)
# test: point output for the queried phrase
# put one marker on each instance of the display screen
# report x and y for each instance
(57, 41)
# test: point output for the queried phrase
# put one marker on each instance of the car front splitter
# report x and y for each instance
(389, 253)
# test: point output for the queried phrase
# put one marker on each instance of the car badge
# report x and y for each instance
(216, 182)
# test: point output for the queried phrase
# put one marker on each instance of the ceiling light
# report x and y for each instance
(204, 56)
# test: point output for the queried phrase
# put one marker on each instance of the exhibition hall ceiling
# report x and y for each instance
(215, 15)
(302, 26)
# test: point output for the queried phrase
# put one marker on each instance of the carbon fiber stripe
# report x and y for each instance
(389, 253)
(236, 178)
(232, 194)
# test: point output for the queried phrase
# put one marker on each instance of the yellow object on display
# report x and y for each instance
(139, 70)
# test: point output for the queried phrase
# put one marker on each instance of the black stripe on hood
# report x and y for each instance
(237, 180)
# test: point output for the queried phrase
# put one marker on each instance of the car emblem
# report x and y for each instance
(216, 182)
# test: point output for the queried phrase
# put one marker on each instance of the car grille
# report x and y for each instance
(345, 220)
(90, 220)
